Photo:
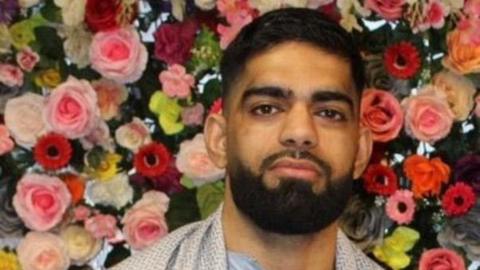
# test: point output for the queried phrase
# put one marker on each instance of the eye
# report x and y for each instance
(332, 114)
(265, 109)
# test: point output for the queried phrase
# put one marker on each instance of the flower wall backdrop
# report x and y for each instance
(103, 102)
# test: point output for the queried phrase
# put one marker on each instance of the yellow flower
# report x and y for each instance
(394, 248)
(107, 168)
(8, 261)
(22, 32)
(168, 112)
(49, 78)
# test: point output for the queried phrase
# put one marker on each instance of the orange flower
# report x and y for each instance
(462, 57)
(76, 186)
(426, 175)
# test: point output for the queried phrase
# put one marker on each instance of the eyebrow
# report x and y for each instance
(278, 92)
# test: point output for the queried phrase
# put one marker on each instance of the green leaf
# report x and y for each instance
(211, 92)
(187, 182)
(183, 209)
(51, 44)
(209, 197)
(51, 12)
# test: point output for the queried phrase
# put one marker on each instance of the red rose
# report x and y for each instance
(173, 42)
(102, 15)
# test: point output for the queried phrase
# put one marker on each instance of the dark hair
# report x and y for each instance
(289, 24)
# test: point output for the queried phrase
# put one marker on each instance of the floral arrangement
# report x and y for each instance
(103, 102)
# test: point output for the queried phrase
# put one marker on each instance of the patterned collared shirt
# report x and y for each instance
(201, 246)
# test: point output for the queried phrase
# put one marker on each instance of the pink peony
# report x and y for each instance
(102, 226)
(6, 143)
(110, 96)
(176, 82)
(382, 114)
(43, 251)
(428, 116)
(237, 21)
(118, 55)
(194, 161)
(27, 59)
(81, 213)
(145, 223)
(23, 118)
(11, 75)
(441, 259)
(193, 116)
(72, 110)
(387, 9)
(434, 15)
(41, 201)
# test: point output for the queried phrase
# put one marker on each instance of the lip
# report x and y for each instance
(300, 169)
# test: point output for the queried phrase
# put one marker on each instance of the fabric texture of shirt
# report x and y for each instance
(201, 246)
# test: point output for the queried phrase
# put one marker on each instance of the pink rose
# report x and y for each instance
(387, 9)
(237, 21)
(193, 116)
(118, 55)
(27, 59)
(11, 75)
(110, 95)
(81, 213)
(133, 135)
(428, 116)
(194, 161)
(23, 118)
(144, 223)
(176, 82)
(102, 226)
(6, 143)
(434, 15)
(71, 109)
(441, 259)
(43, 251)
(41, 201)
(382, 114)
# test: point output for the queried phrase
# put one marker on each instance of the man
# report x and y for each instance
(290, 140)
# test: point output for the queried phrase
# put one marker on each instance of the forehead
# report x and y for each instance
(299, 67)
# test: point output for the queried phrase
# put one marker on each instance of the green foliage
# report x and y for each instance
(209, 197)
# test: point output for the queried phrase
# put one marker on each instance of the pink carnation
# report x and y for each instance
(469, 29)
(27, 59)
(101, 226)
(11, 75)
(81, 213)
(6, 143)
(387, 9)
(118, 55)
(145, 223)
(72, 110)
(193, 116)
(41, 201)
(428, 116)
(434, 15)
(237, 21)
(382, 114)
(440, 259)
(43, 251)
(472, 8)
(176, 82)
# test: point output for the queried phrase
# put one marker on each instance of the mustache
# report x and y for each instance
(268, 161)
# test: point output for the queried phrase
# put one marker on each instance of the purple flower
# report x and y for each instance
(8, 10)
(467, 169)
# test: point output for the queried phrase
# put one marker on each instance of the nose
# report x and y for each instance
(298, 131)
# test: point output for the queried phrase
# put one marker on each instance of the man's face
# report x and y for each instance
(292, 138)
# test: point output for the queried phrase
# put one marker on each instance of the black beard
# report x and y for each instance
(292, 207)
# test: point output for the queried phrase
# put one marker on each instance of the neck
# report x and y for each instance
(278, 251)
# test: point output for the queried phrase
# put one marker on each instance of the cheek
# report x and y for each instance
(339, 150)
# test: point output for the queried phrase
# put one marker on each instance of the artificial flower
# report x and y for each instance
(115, 192)
(267, 5)
(76, 186)
(380, 179)
(101, 226)
(77, 45)
(107, 168)
(193, 115)
(133, 135)
(236, 22)
(434, 14)
(228, 7)
(458, 199)
(23, 118)
(22, 32)
(11, 75)
(43, 251)
(119, 55)
(5, 39)
(8, 10)
(441, 258)
(195, 163)
(6, 143)
(459, 91)
(426, 175)
(169, 181)
(53, 151)
(472, 8)
(81, 213)
(71, 109)
(8, 261)
(428, 116)
(394, 248)
(381, 112)
(80, 244)
(28, 3)
(205, 4)
(467, 169)
(402, 60)
(99, 136)
(73, 12)
(104, 15)
(110, 95)
(144, 223)
(477, 106)
(206, 53)
(176, 82)
(217, 106)
(152, 159)
(461, 58)
(387, 9)
(174, 41)
(49, 78)
(168, 111)
(27, 59)
(400, 206)
(41, 200)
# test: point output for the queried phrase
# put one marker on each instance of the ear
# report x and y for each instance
(364, 151)
(215, 132)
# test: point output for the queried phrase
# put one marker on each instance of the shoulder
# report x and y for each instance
(350, 257)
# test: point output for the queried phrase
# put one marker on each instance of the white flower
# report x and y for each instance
(73, 12)
(77, 45)
(116, 192)
(267, 5)
(133, 135)
(206, 4)
(178, 9)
